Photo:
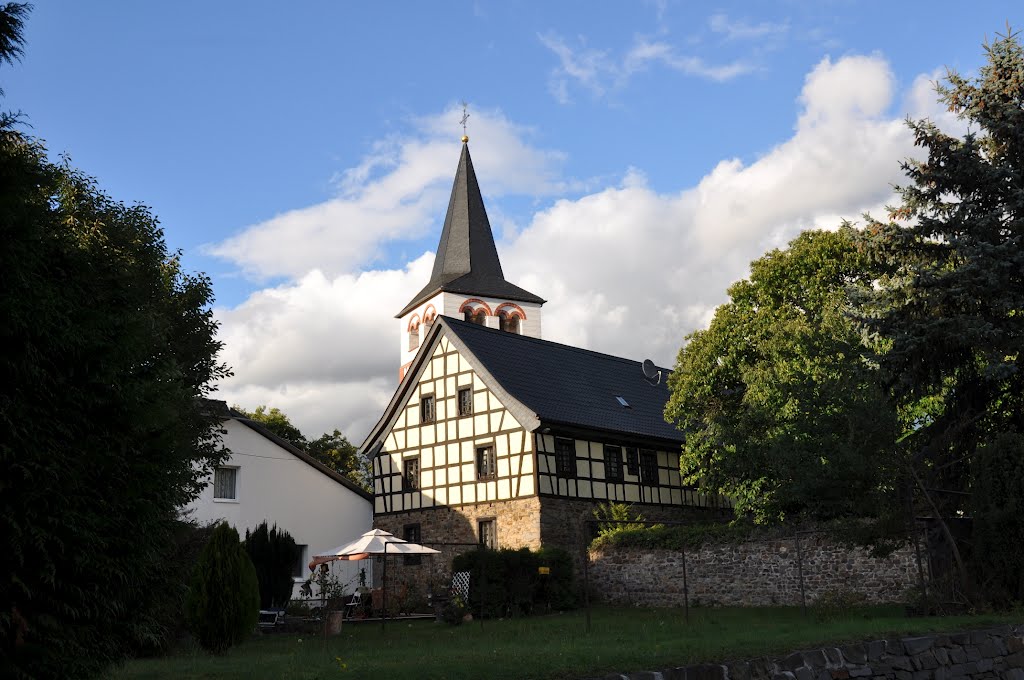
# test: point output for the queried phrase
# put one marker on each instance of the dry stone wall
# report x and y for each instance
(753, 573)
(992, 654)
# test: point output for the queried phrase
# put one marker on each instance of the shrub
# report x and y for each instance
(612, 517)
(273, 553)
(164, 607)
(509, 582)
(675, 537)
(998, 507)
(224, 598)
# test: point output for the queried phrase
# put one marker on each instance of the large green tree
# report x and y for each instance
(951, 298)
(336, 452)
(108, 348)
(780, 401)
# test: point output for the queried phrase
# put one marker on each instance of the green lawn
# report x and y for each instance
(554, 646)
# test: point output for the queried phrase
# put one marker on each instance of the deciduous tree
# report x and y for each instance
(277, 421)
(780, 401)
(108, 348)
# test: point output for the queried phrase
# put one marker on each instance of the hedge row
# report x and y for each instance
(510, 583)
(674, 537)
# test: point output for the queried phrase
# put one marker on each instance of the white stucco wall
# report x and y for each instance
(530, 326)
(279, 487)
(406, 354)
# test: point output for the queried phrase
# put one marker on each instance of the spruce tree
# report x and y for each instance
(951, 300)
(223, 602)
(273, 553)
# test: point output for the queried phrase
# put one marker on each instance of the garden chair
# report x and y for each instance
(356, 601)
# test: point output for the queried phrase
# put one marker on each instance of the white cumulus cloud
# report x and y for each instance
(626, 269)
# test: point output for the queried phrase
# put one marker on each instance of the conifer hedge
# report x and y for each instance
(224, 599)
(273, 553)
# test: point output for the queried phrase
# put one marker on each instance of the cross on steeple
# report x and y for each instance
(462, 121)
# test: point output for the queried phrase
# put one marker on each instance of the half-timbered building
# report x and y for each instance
(498, 436)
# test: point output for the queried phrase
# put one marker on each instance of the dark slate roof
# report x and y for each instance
(467, 259)
(566, 385)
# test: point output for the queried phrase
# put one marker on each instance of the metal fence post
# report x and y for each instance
(586, 582)
(686, 590)
(800, 572)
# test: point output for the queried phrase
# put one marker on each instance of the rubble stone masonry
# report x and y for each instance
(753, 573)
(992, 654)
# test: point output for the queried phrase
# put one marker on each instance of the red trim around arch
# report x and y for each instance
(511, 308)
(472, 303)
(414, 322)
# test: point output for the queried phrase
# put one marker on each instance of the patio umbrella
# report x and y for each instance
(374, 542)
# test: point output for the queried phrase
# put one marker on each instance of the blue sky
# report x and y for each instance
(634, 157)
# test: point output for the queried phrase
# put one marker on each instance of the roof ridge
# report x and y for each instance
(529, 338)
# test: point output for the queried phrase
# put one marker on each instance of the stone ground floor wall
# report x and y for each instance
(517, 523)
(753, 573)
(992, 654)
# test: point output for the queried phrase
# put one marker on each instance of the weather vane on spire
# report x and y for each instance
(462, 121)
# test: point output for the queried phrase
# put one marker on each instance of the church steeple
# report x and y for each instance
(467, 282)
(467, 259)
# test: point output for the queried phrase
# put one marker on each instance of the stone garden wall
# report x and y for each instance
(753, 573)
(993, 654)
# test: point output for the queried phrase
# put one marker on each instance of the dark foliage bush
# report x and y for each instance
(676, 537)
(165, 606)
(224, 598)
(998, 528)
(273, 553)
(509, 583)
(109, 347)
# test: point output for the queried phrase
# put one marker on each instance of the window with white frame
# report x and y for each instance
(225, 483)
(427, 408)
(486, 463)
(465, 396)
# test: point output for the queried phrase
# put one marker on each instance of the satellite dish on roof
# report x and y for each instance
(651, 372)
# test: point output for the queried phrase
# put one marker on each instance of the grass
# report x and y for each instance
(554, 646)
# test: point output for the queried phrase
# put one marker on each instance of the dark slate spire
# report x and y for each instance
(467, 260)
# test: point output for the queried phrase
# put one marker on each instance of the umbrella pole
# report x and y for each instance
(384, 589)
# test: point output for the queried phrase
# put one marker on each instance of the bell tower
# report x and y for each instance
(467, 282)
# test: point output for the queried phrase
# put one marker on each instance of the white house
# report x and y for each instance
(266, 478)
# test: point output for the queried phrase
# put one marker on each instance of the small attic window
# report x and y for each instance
(622, 402)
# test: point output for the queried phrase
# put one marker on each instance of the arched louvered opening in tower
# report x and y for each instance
(414, 332)
(475, 311)
(510, 318)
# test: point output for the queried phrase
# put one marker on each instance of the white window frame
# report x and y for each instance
(218, 499)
